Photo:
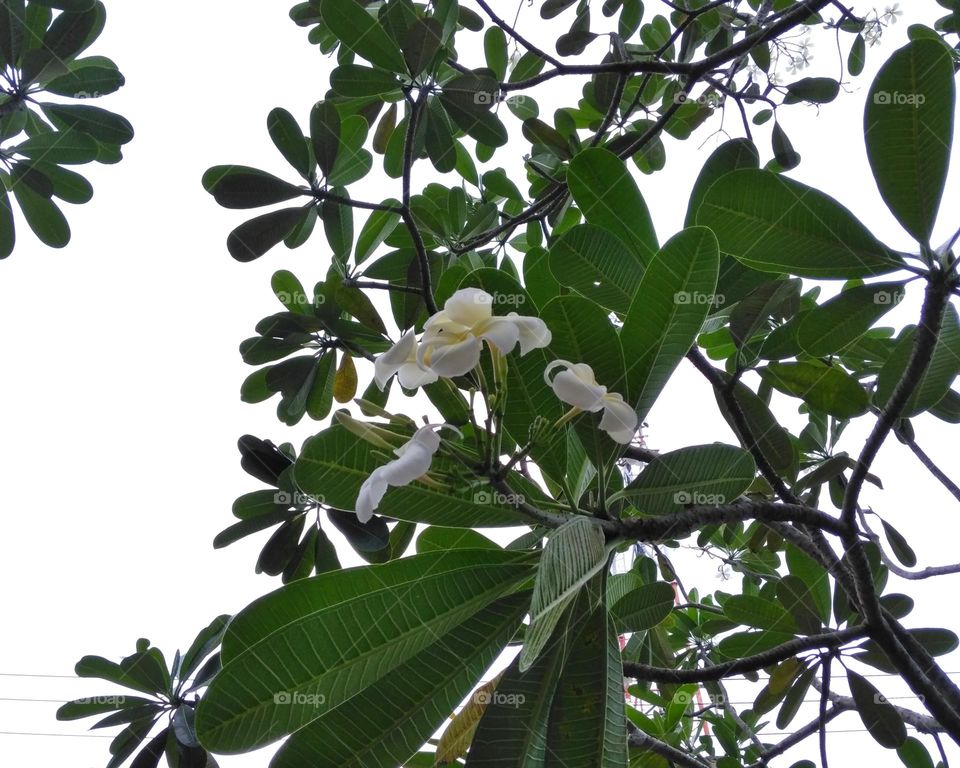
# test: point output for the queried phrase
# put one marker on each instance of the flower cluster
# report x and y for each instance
(451, 345)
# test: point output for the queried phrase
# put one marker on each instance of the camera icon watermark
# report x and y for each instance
(486, 698)
(298, 499)
(87, 95)
(891, 298)
(697, 297)
(495, 497)
(290, 698)
(899, 98)
(698, 499)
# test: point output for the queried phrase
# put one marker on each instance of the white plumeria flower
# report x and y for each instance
(413, 460)
(453, 338)
(401, 359)
(577, 386)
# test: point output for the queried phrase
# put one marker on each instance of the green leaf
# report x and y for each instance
(878, 715)
(834, 325)
(97, 705)
(823, 387)
(819, 90)
(495, 51)
(254, 238)
(289, 140)
(361, 33)
(898, 544)
(667, 312)
(775, 224)
(435, 538)
(468, 99)
(11, 30)
(729, 156)
(375, 230)
(772, 439)
(935, 383)
(237, 186)
(597, 264)
(643, 608)
(574, 554)
(205, 643)
(587, 725)
(857, 56)
(356, 81)
(908, 128)
(259, 696)
(420, 44)
(8, 236)
(913, 754)
(759, 613)
(62, 148)
(698, 475)
(44, 217)
(609, 198)
(334, 464)
(101, 124)
(325, 129)
(87, 78)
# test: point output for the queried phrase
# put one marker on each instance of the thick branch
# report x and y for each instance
(641, 740)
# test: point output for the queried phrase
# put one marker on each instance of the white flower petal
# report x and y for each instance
(501, 332)
(534, 333)
(412, 376)
(573, 390)
(371, 494)
(469, 306)
(413, 463)
(394, 358)
(455, 359)
(619, 419)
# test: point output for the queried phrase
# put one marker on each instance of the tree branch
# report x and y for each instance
(426, 289)
(788, 650)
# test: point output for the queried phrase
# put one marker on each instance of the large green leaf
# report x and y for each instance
(698, 475)
(597, 264)
(587, 725)
(255, 237)
(361, 33)
(823, 387)
(237, 186)
(101, 124)
(939, 375)
(667, 312)
(341, 648)
(878, 715)
(772, 439)
(643, 607)
(43, 215)
(411, 702)
(775, 224)
(908, 128)
(729, 156)
(609, 198)
(759, 613)
(830, 327)
(8, 237)
(575, 553)
(334, 465)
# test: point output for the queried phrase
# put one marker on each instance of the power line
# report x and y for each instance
(59, 735)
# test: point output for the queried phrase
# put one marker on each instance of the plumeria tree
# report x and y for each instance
(533, 317)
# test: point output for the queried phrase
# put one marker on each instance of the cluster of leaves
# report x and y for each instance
(299, 546)
(41, 42)
(410, 637)
(172, 693)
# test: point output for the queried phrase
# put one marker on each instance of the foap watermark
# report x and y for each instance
(495, 497)
(515, 100)
(486, 698)
(711, 100)
(117, 701)
(683, 697)
(497, 298)
(698, 297)
(298, 499)
(285, 698)
(699, 499)
(300, 299)
(899, 98)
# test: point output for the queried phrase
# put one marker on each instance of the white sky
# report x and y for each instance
(119, 406)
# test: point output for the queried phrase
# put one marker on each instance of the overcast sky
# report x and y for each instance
(119, 406)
